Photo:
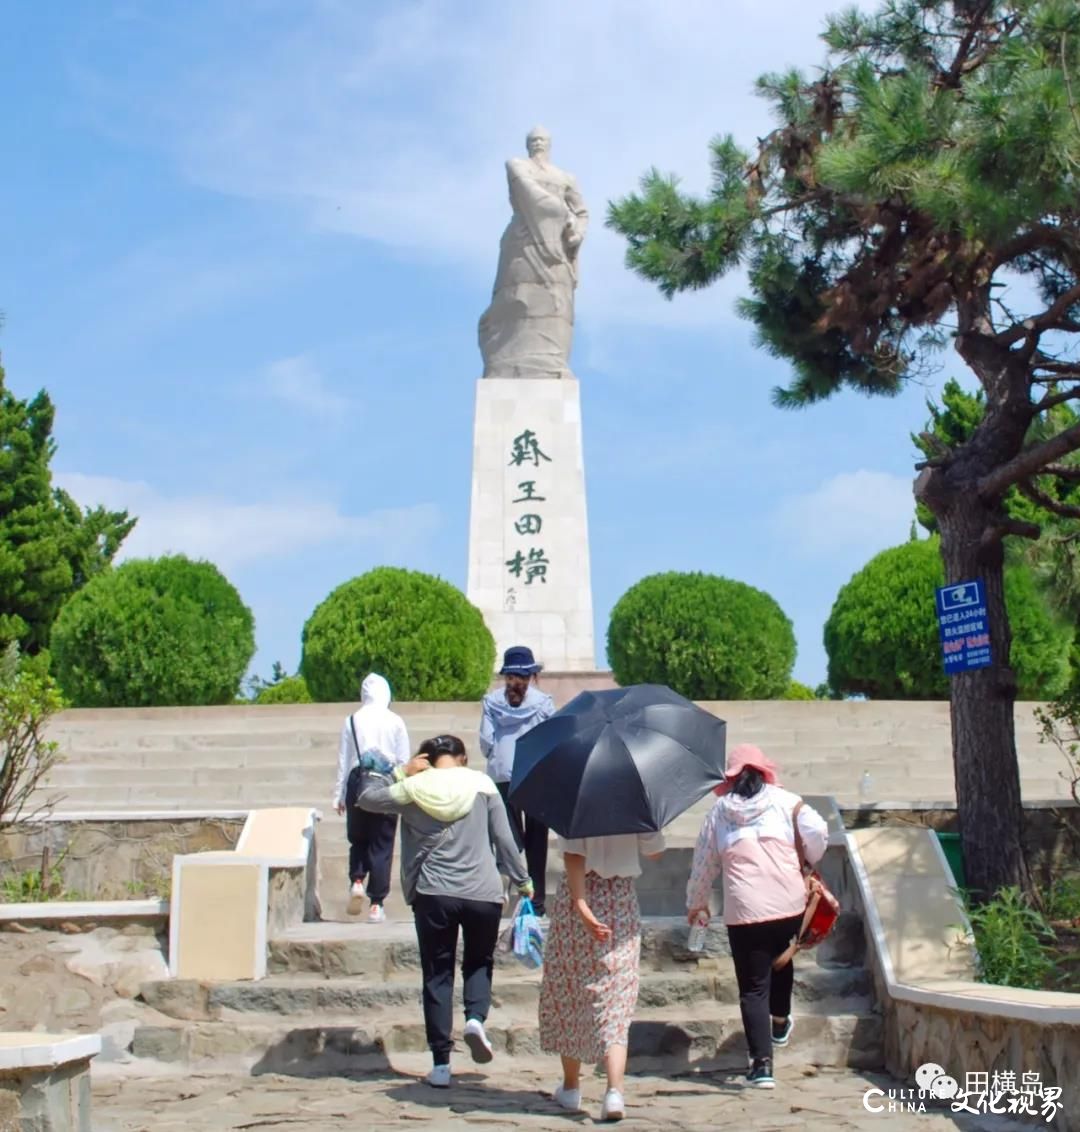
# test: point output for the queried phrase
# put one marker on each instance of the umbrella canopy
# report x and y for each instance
(625, 761)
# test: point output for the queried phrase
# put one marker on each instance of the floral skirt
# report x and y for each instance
(589, 989)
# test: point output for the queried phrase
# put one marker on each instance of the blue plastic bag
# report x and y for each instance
(528, 936)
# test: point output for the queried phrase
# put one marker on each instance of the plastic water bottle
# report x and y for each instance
(866, 787)
(699, 929)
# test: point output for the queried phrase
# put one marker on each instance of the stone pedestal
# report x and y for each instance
(45, 1081)
(528, 535)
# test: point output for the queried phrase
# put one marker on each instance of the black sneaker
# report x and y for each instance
(781, 1031)
(760, 1075)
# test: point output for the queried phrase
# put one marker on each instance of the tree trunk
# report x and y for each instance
(985, 766)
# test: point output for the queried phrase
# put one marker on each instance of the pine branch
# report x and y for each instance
(1053, 318)
(1070, 472)
(1048, 502)
(962, 64)
(1053, 400)
(1009, 526)
(1030, 462)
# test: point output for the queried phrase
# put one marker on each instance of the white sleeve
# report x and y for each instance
(346, 755)
(815, 833)
(651, 843)
(402, 752)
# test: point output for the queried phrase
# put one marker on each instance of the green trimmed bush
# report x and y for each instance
(291, 690)
(882, 634)
(153, 632)
(418, 631)
(706, 637)
(797, 691)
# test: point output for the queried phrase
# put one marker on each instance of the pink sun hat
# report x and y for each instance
(743, 756)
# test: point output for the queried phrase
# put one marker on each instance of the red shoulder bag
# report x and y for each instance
(822, 908)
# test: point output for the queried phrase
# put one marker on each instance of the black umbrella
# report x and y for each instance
(625, 761)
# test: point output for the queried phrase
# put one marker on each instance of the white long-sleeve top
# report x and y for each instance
(378, 731)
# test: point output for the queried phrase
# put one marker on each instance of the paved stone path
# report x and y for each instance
(506, 1097)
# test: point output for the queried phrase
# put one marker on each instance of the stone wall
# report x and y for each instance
(113, 859)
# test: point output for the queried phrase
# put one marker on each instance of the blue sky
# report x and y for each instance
(245, 248)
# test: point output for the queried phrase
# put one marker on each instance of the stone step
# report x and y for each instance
(709, 1035)
(299, 996)
(379, 951)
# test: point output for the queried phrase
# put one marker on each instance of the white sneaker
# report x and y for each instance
(568, 1099)
(377, 914)
(439, 1077)
(356, 898)
(477, 1041)
(613, 1107)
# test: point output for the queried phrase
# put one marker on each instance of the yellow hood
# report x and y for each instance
(446, 794)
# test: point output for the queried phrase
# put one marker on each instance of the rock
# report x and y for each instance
(17, 928)
(161, 1043)
(71, 1000)
(186, 999)
(141, 967)
(37, 965)
(69, 927)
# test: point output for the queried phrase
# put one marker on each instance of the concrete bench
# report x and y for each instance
(45, 1082)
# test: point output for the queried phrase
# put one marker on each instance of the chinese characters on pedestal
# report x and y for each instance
(529, 562)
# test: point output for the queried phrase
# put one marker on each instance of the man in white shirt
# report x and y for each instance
(380, 734)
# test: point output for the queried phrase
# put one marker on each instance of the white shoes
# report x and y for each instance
(613, 1107)
(477, 1041)
(568, 1099)
(356, 898)
(377, 914)
(439, 1077)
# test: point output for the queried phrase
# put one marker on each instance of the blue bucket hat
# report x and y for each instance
(519, 661)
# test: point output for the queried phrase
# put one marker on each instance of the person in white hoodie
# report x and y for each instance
(455, 839)
(378, 733)
(751, 834)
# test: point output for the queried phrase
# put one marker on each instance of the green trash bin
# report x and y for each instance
(950, 845)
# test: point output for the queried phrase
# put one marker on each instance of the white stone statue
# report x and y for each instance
(526, 332)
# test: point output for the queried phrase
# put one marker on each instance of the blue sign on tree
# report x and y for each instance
(964, 626)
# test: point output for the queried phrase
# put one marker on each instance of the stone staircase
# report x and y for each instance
(343, 998)
(238, 758)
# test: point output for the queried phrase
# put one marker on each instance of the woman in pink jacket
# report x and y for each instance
(750, 834)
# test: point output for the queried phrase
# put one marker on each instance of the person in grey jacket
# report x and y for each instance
(508, 713)
(455, 840)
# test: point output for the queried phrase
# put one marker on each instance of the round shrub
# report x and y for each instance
(291, 690)
(882, 634)
(420, 632)
(797, 691)
(706, 637)
(153, 633)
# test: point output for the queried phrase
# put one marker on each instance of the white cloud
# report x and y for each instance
(395, 128)
(859, 511)
(298, 383)
(232, 534)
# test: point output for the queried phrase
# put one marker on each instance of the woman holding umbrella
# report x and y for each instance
(591, 959)
(752, 833)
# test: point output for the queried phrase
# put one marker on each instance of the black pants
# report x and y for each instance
(532, 839)
(371, 843)
(763, 992)
(438, 919)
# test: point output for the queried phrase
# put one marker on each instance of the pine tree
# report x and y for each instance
(48, 546)
(934, 159)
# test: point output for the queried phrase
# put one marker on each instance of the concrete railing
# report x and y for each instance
(227, 905)
(937, 1015)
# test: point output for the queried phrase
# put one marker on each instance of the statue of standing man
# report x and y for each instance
(527, 329)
